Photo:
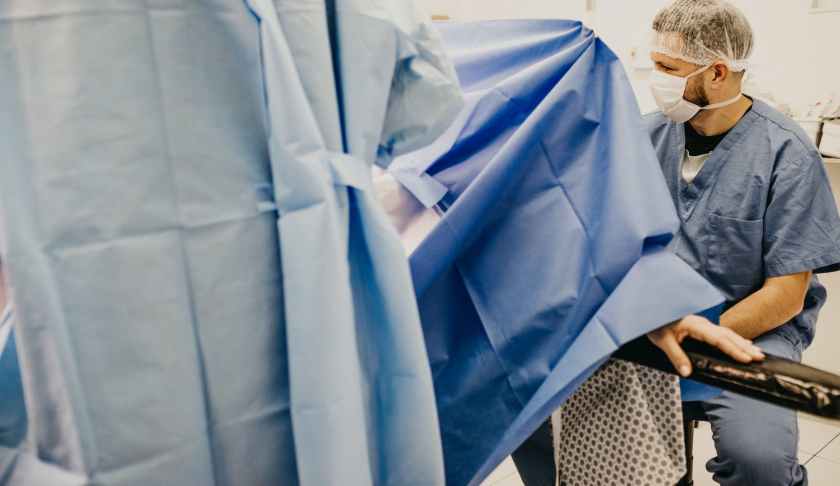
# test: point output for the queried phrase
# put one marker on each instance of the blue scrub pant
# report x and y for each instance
(756, 442)
(534, 459)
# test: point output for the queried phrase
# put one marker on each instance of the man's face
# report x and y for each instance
(695, 92)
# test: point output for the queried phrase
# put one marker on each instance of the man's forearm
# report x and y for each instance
(780, 300)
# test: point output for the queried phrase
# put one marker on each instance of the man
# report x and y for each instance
(758, 218)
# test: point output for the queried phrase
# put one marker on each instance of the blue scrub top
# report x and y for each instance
(760, 207)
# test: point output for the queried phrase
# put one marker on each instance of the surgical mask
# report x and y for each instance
(669, 92)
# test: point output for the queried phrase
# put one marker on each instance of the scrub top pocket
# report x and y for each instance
(735, 253)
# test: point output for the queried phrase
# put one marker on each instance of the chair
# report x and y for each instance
(693, 414)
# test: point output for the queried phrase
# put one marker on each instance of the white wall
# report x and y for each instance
(823, 352)
(797, 52)
(507, 9)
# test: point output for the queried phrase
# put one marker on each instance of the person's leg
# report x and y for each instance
(535, 458)
(756, 442)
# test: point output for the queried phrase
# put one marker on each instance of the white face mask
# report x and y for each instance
(669, 91)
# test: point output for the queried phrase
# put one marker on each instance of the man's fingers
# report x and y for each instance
(754, 351)
(668, 343)
(727, 341)
(669, 337)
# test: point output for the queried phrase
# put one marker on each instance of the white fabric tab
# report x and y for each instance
(5, 327)
(424, 187)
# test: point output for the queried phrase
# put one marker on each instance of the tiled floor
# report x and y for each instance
(819, 450)
(505, 475)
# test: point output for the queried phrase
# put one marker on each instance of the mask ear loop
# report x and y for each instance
(723, 103)
(695, 73)
(720, 104)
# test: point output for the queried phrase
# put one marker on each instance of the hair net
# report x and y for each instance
(702, 32)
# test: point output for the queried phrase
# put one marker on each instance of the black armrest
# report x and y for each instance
(775, 380)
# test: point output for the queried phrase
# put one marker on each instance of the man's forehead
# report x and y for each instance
(670, 61)
(665, 43)
(664, 58)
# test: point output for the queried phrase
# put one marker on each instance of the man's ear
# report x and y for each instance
(721, 72)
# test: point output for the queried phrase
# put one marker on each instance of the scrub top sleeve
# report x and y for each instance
(801, 225)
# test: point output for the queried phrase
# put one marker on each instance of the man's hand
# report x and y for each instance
(668, 339)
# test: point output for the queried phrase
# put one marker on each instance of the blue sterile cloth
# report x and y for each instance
(551, 252)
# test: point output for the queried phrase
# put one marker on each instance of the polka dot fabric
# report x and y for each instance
(622, 427)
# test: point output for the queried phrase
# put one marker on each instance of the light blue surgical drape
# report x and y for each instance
(345, 274)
